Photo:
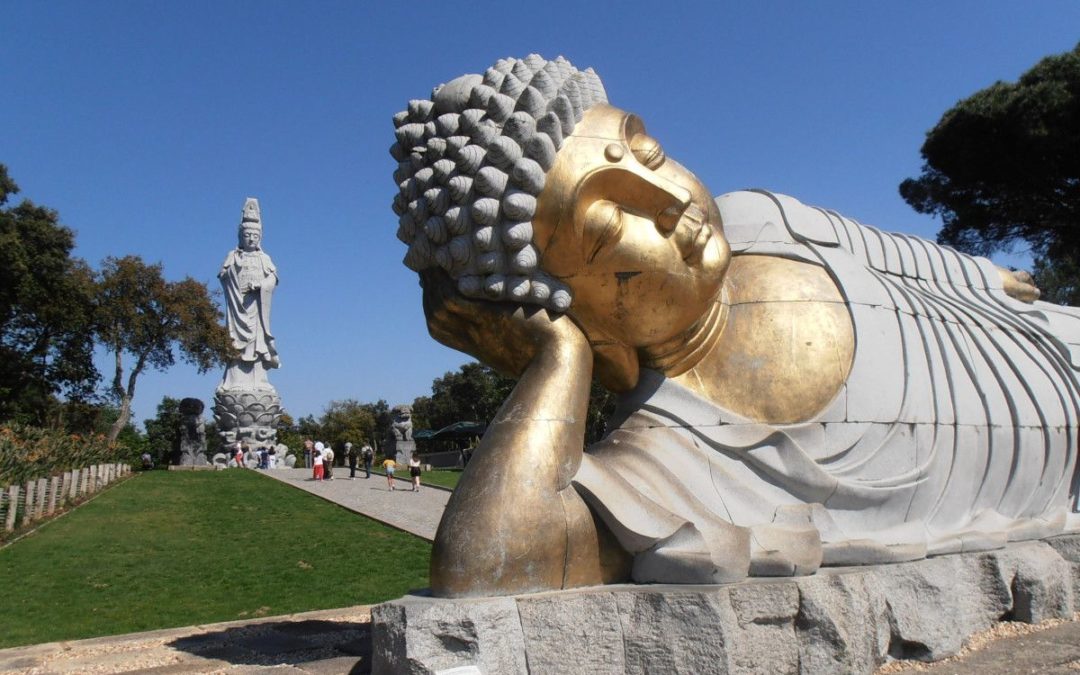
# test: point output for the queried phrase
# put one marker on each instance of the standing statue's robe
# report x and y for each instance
(955, 431)
(248, 314)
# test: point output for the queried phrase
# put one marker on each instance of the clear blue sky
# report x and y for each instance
(146, 124)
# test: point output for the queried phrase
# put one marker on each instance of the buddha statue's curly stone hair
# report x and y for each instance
(472, 160)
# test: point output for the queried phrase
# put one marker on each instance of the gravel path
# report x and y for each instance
(414, 512)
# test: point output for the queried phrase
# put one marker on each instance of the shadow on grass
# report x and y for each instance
(338, 646)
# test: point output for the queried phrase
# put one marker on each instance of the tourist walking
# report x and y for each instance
(388, 466)
(317, 461)
(414, 472)
(308, 446)
(368, 456)
(238, 455)
(328, 462)
(350, 455)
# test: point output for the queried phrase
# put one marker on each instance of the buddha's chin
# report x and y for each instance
(710, 257)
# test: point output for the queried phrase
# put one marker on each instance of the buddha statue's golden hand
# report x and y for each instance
(515, 523)
(503, 335)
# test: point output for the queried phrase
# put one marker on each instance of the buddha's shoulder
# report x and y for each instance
(761, 217)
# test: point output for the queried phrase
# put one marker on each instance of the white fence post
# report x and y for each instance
(12, 506)
(39, 503)
(28, 503)
(54, 487)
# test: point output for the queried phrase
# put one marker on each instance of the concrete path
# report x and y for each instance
(414, 512)
(323, 642)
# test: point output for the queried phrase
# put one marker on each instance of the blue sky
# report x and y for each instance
(146, 124)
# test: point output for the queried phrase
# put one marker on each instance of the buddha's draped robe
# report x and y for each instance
(956, 429)
(248, 314)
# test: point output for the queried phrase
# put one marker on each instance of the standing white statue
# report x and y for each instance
(246, 405)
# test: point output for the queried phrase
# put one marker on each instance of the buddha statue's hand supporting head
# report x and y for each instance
(503, 335)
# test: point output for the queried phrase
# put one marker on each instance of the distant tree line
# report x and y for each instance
(55, 309)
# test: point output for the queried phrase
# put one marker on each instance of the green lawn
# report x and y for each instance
(443, 477)
(169, 548)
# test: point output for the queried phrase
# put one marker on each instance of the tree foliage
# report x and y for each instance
(346, 421)
(163, 431)
(1002, 167)
(475, 392)
(46, 337)
(143, 316)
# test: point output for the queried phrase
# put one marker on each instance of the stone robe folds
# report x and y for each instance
(248, 314)
(956, 429)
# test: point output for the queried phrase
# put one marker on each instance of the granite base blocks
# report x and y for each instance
(848, 620)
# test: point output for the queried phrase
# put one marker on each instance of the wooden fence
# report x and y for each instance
(38, 499)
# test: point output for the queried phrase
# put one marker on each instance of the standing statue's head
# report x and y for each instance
(250, 233)
(524, 185)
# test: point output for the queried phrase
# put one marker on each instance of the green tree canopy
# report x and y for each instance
(475, 392)
(472, 393)
(46, 336)
(347, 421)
(1002, 167)
(163, 430)
(143, 316)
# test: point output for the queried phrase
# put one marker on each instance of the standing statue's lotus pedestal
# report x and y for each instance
(887, 423)
(246, 405)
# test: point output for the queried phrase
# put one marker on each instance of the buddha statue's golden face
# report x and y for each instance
(636, 236)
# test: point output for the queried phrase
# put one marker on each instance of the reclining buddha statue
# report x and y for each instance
(795, 389)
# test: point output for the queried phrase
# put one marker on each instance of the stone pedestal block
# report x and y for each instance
(847, 620)
(402, 451)
(247, 415)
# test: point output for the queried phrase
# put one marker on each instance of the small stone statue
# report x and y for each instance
(246, 405)
(400, 445)
(192, 433)
(401, 422)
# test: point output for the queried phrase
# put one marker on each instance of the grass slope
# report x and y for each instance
(178, 548)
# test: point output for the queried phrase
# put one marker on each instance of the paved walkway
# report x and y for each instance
(323, 642)
(414, 512)
(1054, 650)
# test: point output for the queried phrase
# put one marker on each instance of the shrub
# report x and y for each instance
(28, 452)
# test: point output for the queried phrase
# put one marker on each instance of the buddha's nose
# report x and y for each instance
(663, 199)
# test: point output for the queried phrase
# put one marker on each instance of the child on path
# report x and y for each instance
(317, 460)
(389, 465)
(414, 471)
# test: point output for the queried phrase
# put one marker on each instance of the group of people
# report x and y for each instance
(390, 466)
(319, 457)
(266, 456)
